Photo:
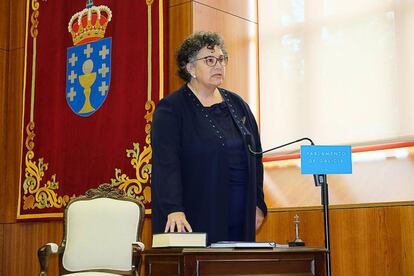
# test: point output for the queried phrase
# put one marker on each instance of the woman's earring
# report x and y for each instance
(194, 76)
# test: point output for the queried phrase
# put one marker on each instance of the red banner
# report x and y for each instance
(93, 74)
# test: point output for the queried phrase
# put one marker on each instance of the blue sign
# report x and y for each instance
(326, 159)
(88, 76)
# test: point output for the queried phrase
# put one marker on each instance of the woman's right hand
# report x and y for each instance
(177, 220)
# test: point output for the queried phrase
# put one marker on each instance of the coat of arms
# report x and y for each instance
(88, 67)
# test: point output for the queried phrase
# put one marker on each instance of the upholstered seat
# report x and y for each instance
(92, 274)
(102, 235)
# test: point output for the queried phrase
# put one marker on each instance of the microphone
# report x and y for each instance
(278, 147)
(320, 180)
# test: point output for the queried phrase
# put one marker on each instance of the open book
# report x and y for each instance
(179, 239)
(237, 244)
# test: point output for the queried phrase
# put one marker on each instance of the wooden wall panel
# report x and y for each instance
(177, 2)
(364, 241)
(245, 9)
(11, 83)
(3, 120)
(406, 224)
(4, 24)
(373, 241)
(4, 61)
(240, 38)
(21, 243)
(4, 57)
(14, 134)
(1, 248)
(180, 26)
(147, 233)
(279, 227)
(22, 240)
(17, 23)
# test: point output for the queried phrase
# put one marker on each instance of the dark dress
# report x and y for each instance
(201, 165)
(237, 166)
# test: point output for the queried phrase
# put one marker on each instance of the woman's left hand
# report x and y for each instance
(259, 218)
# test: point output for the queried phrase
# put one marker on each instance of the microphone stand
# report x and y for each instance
(320, 180)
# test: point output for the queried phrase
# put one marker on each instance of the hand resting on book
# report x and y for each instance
(177, 220)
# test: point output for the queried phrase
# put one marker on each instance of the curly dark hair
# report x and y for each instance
(190, 47)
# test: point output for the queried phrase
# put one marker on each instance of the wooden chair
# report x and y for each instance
(102, 235)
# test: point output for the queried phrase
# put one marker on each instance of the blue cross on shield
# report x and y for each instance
(88, 76)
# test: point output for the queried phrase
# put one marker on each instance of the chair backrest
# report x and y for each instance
(100, 228)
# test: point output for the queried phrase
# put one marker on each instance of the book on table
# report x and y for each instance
(179, 239)
(240, 244)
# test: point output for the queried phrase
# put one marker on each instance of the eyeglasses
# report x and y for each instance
(212, 60)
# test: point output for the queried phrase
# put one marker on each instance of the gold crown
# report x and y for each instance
(89, 24)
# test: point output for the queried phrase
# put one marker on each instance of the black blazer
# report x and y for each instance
(189, 171)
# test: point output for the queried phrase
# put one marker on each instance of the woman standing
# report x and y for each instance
(204, 179)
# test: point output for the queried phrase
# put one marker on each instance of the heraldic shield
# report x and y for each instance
(88, 76)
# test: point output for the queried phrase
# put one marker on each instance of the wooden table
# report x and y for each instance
(211, 261)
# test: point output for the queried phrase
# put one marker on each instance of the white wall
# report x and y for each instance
(339, 72)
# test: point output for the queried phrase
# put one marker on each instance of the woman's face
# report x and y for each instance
(207, 73)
